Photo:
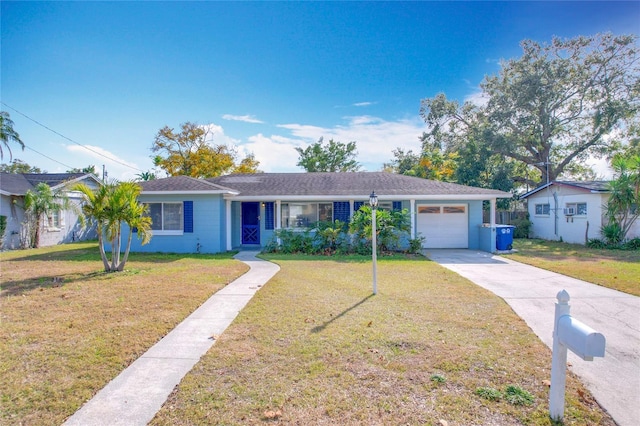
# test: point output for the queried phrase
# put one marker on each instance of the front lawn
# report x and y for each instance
(67, 328)
(616, 269)
(314, 346)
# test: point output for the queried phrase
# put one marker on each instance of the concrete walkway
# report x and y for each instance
(136, 395)
(531, 292)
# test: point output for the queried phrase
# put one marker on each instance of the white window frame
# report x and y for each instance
(55, 220)
(577, 207)
(163, 231)
(285, 207)
(542, 207)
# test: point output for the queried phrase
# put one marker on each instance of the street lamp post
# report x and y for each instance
(373, 202)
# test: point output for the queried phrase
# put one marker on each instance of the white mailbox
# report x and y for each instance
(569, 334)
(580, 338)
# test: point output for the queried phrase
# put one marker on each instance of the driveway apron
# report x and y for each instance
(135, 396)
(531, 292)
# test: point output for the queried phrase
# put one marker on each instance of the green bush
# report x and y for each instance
(632, 244)
(523, 227)
(392, 231)
(596, 243)
(612, 233)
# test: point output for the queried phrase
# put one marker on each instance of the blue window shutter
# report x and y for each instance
(397, 205)
(187, 212)
(357, 205)
(341, 211)
(268, 215)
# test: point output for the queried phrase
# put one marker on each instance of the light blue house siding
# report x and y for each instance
(208, 226)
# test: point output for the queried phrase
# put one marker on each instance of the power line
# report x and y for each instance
(46, 156)
(69, 139)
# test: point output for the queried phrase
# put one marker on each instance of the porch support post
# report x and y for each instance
(413, 218)
(278, 214)
(492, 224)
(351, 212)
(228, 222)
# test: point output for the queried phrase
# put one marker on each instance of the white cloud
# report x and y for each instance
(243, 118)
(363, 104)
(216, 136)
(376, 138)
(116, 167)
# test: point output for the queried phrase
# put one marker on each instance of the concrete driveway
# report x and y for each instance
(531, 292)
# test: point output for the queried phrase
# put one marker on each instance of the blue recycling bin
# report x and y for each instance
(504, 237)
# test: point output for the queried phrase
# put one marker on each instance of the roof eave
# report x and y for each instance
(421, 197)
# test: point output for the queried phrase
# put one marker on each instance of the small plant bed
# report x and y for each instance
(314, 346)
(68, 328)
(616, 269)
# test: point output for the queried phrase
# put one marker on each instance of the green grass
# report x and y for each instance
(67, 328)
(314, 346)
(616, 269)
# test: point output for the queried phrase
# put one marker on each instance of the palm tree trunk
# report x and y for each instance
(103, 254)
(126, 253)
(36, 235)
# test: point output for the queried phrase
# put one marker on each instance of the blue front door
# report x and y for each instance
(250, 223)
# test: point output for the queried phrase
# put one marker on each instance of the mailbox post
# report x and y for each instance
(569, 333)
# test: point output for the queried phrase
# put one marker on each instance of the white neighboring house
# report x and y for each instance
(573, 212)
(60, 227)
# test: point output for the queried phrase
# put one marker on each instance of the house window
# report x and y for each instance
(453, 209)
(304, 215)
(165, 216)
(54, 219)
(578, 209)
(542, 209)
(429, 209)
(581, 209)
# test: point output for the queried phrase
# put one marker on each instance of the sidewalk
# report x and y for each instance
(135, 396)
(531, 292)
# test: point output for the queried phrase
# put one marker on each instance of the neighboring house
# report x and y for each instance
(60, 227)
(244, 211)
(573, 212)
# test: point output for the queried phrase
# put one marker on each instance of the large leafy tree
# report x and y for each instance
(189, 152)
(110, 206)
(433, 164)
(8, 134)
(19, 166)
(332, 157)
(89, 169)
(551, 109)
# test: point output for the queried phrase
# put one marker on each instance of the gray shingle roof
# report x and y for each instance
(344, 184)
(181, 184)
(591, 185)
(20, 183)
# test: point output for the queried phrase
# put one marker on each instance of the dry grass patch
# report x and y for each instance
(315, 347)
(616, 269)
(67, 328)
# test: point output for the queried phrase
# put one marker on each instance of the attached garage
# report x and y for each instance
(444, 226)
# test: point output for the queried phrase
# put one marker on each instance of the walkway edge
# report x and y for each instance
(137, 394)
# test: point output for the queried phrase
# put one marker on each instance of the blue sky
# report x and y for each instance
(266, 77)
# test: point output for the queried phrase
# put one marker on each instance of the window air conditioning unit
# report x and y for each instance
(570, 211)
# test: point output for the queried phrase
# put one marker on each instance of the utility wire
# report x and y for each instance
(46, 156)
(70, 140)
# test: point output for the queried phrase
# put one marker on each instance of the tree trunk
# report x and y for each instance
(103, 254)
(126, 253)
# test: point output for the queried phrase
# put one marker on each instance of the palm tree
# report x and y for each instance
(623, 206)
(39, 203)
(94, 207)
(7, 134)
(110, 206)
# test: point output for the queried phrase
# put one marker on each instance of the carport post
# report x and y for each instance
(558, 361)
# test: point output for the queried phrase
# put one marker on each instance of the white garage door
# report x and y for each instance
(444, 226)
